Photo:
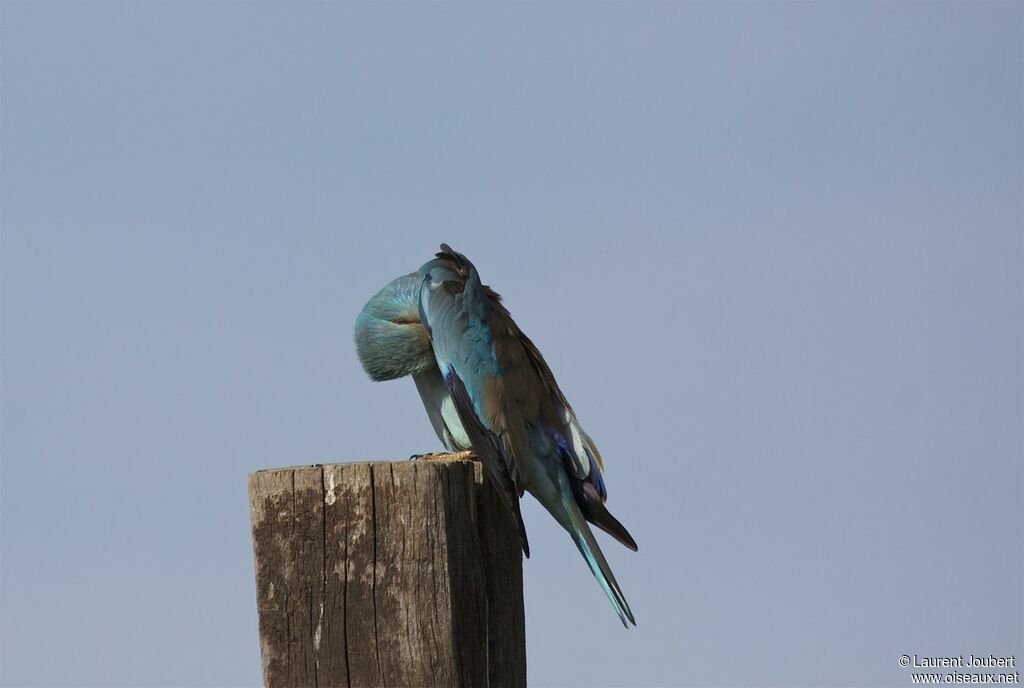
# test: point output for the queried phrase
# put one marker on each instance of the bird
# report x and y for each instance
(487, 390)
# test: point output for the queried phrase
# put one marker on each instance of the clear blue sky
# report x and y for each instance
(772, 251)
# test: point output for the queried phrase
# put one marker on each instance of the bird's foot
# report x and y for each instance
(444, 456)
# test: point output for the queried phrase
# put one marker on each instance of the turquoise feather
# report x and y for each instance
(486, 386)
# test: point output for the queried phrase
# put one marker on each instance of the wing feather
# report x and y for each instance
(456, 311)
(488, 448)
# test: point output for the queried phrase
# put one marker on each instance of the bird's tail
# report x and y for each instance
(585, 542)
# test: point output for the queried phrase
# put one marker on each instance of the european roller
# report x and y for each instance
(487, 389)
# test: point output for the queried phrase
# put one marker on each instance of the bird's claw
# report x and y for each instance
(444, 456)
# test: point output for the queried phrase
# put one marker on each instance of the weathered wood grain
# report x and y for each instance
(386, 574)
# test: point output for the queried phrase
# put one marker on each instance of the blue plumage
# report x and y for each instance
(485, 386)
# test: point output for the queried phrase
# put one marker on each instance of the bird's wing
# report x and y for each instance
(553, 407)
(481, 364)
(542, 403)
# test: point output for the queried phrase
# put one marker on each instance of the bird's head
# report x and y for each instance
(390, 339)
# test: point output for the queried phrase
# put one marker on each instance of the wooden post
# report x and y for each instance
(386, 574)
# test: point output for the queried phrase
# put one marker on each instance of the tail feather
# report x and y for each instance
(594, 510)
(590, 494)
(585, 542)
